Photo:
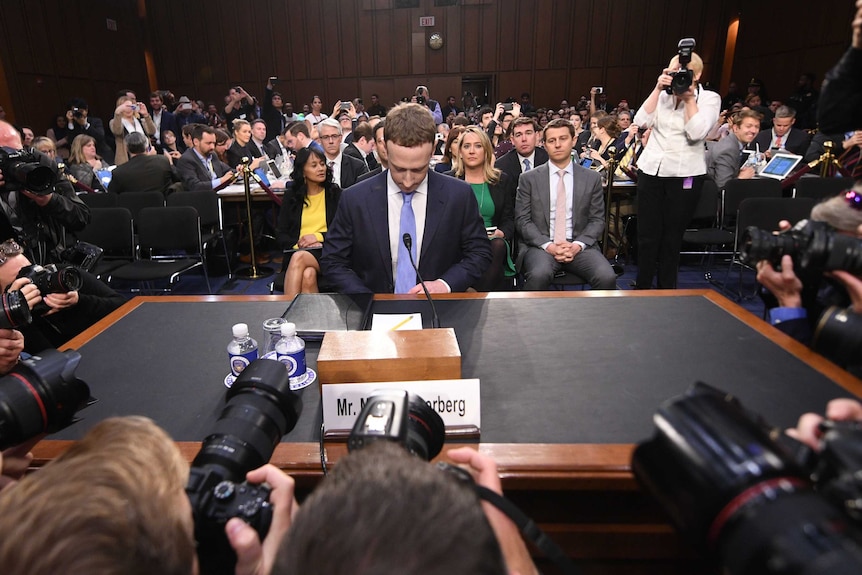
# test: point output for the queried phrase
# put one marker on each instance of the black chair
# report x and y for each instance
(105, 200)
(207, 205)
(706, 230)
(820, 188)
(170, 238)
(136, 201)
(565, 281)
(763, 213)
(111, 230)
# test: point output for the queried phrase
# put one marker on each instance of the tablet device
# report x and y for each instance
(780, 166)
(587, 162)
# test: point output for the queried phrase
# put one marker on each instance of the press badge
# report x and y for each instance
(687, 183)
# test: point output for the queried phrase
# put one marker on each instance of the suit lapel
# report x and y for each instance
(378, 214)
(543, 188)
(433, 214)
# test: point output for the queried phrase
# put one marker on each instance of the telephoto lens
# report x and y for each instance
(16, 312)
(41, 395)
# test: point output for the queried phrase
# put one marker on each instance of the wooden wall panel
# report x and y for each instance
(551, 48)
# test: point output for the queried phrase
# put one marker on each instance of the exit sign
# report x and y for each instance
(426, 21)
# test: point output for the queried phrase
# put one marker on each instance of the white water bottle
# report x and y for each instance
(290, 350)
(242, 349)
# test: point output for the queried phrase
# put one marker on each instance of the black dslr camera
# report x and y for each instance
(743, 491)
(681, 79)
(260, 409)
(400, 417)
(812, 245)
(53, 278)
(24, 170)
(41, 395)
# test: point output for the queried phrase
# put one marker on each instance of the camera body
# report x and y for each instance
(400, 417)
(223, 499)
(682, 79)
(77, 113)
(598, 89)
(421, 100)
(25, 170)
(345, 105)
(53, 278)
(508, 107)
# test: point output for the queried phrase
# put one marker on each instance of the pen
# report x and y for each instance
(401, 323)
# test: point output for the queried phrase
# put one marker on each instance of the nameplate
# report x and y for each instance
(456, 400)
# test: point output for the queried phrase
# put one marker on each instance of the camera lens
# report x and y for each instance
(68, 279)
(16, 312)
(41, 395)
(425, 430)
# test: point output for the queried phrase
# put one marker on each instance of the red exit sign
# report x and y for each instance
(426, 21)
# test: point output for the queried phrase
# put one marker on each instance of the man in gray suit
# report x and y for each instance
(725, 159)
(548, 243)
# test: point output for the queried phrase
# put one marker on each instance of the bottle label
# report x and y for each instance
(240, 361)
(295, 364)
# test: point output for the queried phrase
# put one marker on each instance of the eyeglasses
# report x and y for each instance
(331, 138)
(853, 199)
(8, 249)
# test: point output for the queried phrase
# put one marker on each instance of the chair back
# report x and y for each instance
(105, 200)
(736, 190)
(707, 207)
(111, 230)
(820, 188)
(135, 201)
(169, 228)
(205, 202)
(765, 213)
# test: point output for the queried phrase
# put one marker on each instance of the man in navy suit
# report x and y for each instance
(364, 249)
(560, 215)
(526, 155)
(783, 136)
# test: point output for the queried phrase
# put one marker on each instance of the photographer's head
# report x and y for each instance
(114, 503)
(696, 65)
(383, 511)
(10, 137)
(843, 212)
(12, 259)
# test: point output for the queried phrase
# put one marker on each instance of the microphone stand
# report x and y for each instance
(408, 243)
(252, 272)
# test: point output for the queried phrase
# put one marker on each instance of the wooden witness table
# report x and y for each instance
(560, 420)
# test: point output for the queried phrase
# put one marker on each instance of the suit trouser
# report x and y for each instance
(664, 211)
(539, 267)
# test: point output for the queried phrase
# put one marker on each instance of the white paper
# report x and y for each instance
(396, 321)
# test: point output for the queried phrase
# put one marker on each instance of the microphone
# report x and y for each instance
(408, 243)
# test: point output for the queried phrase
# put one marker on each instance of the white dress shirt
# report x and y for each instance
(676, 146)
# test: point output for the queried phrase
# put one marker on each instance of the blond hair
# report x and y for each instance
(492, 174)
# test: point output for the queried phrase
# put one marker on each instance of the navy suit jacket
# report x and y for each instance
(795, 141)
(195, 175)
(511, 163)
(455, 247)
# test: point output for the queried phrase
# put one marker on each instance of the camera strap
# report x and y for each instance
(529, 530)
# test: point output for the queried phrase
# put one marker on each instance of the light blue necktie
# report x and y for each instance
(526, 164)
(405, 275)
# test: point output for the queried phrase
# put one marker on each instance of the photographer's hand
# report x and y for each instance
(28, 290)
(15, 460)
(58, 301)
(254, 558)
(484, 471)
(39, 200)
(807, 429)
(11, 346)
(784, 285)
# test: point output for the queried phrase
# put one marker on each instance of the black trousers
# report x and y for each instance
(664, 210)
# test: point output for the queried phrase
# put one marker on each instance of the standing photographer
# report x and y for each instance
(672, 167)
(38, 221)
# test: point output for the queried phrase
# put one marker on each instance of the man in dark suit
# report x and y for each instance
(561, 187)
(198, 167)
(782, 136)
(362, 146)
(364, 249)
(345, 169)
(380, 146)
(143, 172)
(526, 155)
(162, 119)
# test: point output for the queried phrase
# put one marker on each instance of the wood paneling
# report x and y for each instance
(552, 48)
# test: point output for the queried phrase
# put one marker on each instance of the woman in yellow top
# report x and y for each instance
(306, 213)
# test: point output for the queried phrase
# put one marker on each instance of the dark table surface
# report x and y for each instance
(557, 370)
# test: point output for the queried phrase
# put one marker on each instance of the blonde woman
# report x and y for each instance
(84, 161)
(130, 116)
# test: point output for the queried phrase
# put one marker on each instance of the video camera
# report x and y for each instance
(681, 79)
(25, 170)
(260, 409)
(41, 395)
(745, 492)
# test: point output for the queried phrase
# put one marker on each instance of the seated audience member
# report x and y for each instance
(442, 133)
(380, 149)
(384, 489)
(801, 295)
(345, 169)
(130, 116)
(561, 234)
(80, 122)
(84, 162)
(783, 136)
(305, 216)
(243, 147)
(495, 194)
(298, 136)
(451, 153)
(362, 146)
(170, 146)
(198, 167)
(526, 154)
(258, 134)
(145, 171)
(222, 144)
(449, 244)
(841, 143)
(115, 503)
(63, 315)
(47, 147)
(725, 158)
(606, 133)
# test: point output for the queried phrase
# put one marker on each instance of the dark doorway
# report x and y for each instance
(480, 87)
